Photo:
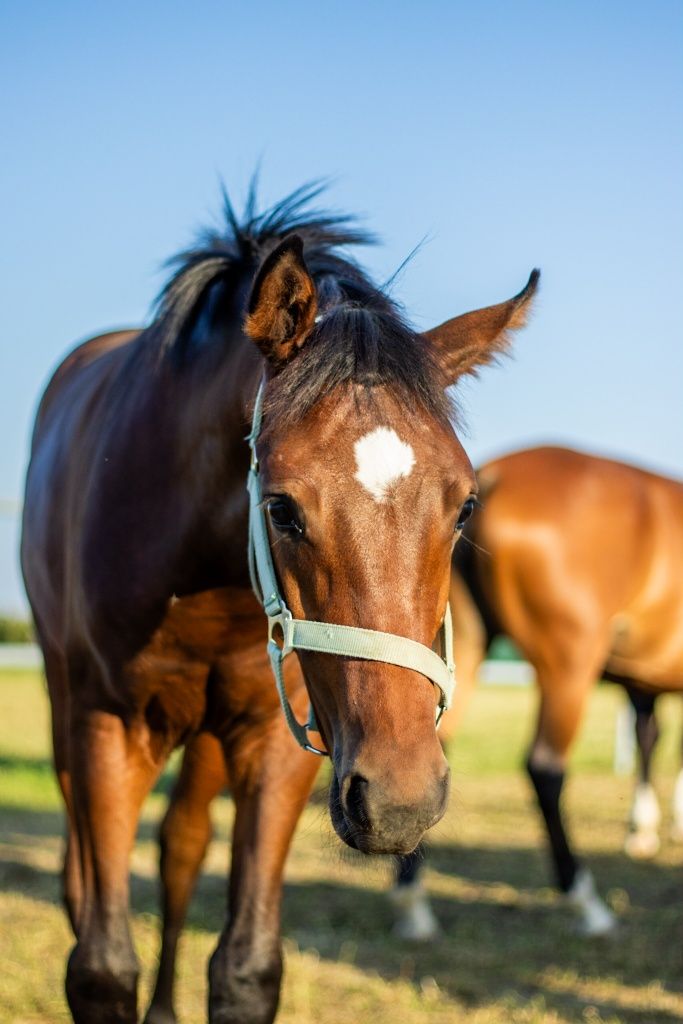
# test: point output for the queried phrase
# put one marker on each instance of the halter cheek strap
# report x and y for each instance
(325, 637)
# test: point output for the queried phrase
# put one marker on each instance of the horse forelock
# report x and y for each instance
(224, 257)
(361, 337)
(365, 348)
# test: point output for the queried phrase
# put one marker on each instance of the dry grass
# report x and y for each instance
(508, 956)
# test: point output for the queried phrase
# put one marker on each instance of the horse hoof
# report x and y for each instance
(416, 921)
(595, 916)
(158, 1015)
(642, 845)
(598, 925)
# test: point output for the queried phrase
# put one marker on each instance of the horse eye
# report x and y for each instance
(284, 517)
(466, 511)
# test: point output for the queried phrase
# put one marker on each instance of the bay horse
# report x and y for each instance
(134, 553)
(579, 560)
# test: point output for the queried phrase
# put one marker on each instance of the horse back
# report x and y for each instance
(57, 472)
(82, 356)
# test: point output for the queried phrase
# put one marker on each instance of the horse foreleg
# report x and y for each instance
(111, 771)
(562, 703)
(57, 682)
(271, 778)
(642, 840)
(184, 836)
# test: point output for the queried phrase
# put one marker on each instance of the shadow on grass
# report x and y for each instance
(650, 885)
(496, 945)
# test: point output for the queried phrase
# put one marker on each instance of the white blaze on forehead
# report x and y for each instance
(382, 458)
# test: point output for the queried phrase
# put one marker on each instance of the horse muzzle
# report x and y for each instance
(375, 818)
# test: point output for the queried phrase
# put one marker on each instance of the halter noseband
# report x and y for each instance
(324, 637)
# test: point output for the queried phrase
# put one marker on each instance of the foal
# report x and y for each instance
(134, 554)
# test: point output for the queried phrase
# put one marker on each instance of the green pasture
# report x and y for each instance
(509, 954)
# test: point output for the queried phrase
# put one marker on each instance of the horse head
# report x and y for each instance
(366, 488)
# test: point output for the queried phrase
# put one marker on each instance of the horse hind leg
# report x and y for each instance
(563, 698)
(642, 840)
(184, 836)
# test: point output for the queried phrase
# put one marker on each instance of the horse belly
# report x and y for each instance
(649, 647)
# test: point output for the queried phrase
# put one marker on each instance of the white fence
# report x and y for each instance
(20, 656)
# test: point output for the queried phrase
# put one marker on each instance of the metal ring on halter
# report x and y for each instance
(283, 619)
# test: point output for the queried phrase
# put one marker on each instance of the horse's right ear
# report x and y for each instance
(282, 305)
(465, 343)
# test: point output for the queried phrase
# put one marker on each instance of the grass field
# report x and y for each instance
(509, 954)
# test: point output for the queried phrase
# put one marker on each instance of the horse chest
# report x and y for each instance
(169, 677)
(211, 624)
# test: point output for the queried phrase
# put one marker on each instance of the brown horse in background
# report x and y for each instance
(580, 561)
(134, 554)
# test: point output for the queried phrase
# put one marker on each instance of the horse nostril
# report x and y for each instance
(355, 796)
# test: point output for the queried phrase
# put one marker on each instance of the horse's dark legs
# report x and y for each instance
(112, 769)
(408, 866)
(575, 881)
(563, 698)
(548, 781)
(647, 729)
(270, 778)
(184, 837)
(642, 840)
(415, 920)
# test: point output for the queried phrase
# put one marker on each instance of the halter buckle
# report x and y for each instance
(284, 620)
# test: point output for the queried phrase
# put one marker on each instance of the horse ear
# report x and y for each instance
(282, 305)
(467, 342)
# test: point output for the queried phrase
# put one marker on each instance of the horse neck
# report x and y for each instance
(176, 445)
(212, 452)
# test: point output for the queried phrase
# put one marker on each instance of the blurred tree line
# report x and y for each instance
(15, 631)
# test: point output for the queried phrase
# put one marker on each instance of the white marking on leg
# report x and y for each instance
(677, 810)
(382, 459)
(645, 812)
(415, 919)
(642, 841)
(597, 918)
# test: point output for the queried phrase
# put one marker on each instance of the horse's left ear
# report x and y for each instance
(467, 342)
(282, 305)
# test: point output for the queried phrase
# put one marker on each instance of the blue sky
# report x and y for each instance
(511, 135)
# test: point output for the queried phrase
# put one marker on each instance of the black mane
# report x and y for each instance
(361, 336)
